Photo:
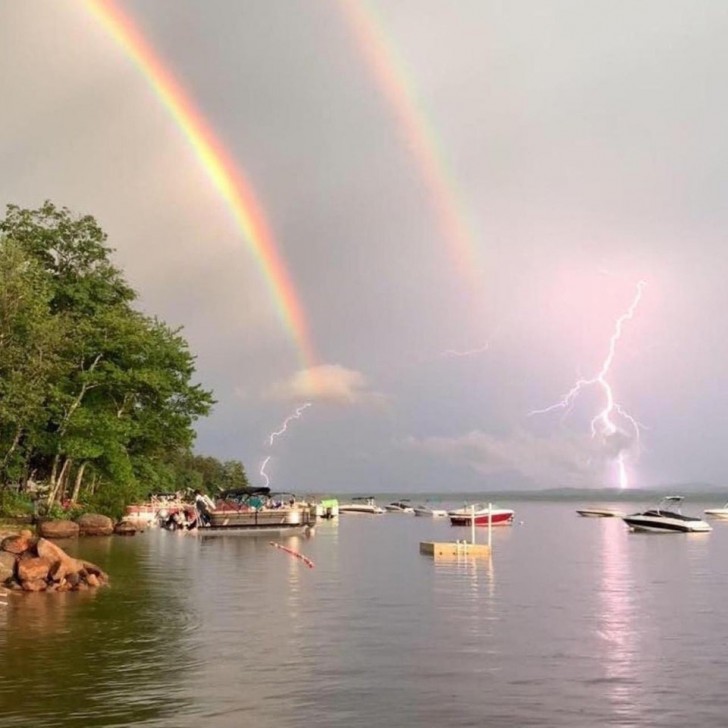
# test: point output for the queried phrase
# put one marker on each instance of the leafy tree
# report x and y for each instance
(93, 391)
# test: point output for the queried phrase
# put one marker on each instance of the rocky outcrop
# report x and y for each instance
(94, 524)
(43, 566)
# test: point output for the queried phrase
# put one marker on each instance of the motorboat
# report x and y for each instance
(483, 515)
(155, 511)
(595, 512)
(666, 518)
(253, 509)
(361, 504)
(425, 511)
(326, 508)
(717, 512)
(400, 506)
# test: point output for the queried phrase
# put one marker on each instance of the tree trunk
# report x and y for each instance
(55, 487)
(64, 478)
(52, 481)
(77, 484)
(11, 450)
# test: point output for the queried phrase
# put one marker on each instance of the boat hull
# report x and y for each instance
(717, 513)
(599, 513)
(430, 513)
(361, 509)
(273, 519)
(662, 524)
(494, 518)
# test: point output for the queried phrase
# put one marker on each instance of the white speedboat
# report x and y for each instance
(425, 511)
(595, 512)
(666, 518)
(400, 506)
(717, 512)
(361, 504)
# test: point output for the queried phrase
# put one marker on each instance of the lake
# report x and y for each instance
(573, 622)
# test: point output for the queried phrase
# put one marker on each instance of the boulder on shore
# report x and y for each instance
(94, 524)
(124, 528)
(44, 566)
(58, 529)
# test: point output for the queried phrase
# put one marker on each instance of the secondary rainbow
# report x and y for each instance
(399, 90)
(219, 166)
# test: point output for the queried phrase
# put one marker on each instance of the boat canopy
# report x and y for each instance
(244, 492)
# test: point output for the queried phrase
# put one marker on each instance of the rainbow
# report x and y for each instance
(219, 166)
(399, 90)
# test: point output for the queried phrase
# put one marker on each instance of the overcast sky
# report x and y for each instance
(582, 143)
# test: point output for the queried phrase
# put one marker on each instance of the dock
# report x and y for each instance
(463, 548)
(455, 549)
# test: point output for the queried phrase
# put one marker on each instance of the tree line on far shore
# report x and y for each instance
(97, 400)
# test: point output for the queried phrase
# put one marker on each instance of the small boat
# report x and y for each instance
(361, 504)
(594, 512)
(400, 506)
(425, 511)
(666, 518)
(155, 511)
(326, 508)
(482, 515)
(717, 512)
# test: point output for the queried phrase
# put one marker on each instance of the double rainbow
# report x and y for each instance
(219, 166)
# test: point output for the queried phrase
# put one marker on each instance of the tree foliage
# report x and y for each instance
(97, 399)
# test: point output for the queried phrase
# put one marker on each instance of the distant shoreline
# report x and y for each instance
(580, 495)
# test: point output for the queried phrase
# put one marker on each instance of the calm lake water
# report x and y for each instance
(574, 622)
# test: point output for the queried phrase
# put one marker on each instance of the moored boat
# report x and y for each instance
(596, 512)
(425, 511)
(361, 504)
(483, 515)
(252, 509)
(326, 508)
(154, 511)
(717, 512)
(666, 518)
(400, 506)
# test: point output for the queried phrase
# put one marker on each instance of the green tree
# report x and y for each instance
(31, 340)
(114, 394)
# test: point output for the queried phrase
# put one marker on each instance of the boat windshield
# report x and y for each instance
(670, 503)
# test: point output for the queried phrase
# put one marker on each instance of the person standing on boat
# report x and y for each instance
(204, 505)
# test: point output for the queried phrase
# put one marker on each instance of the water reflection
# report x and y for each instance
(99, 657)
(616, 622)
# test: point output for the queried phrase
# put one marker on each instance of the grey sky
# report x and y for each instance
(585, 143)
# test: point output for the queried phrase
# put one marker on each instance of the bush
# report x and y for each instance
(15, 505)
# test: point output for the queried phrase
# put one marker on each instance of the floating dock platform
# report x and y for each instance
(455, 548)
(461, 549)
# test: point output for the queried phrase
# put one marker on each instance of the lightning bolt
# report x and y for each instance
(295, 416)
(468, 352)
(602, 424)
(263, 473)
(284, 427)
(453, 353)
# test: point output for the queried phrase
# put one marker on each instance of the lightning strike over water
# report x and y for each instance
(295, 416)
(603, 424)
